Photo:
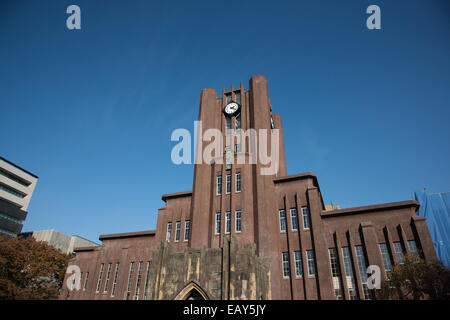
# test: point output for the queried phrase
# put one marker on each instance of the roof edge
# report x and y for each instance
(292, 177)
(166, 196)
(18, 167)
(127, 235)
(376, 207)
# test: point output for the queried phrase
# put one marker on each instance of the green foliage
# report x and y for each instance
(30, 269)
(416, 279)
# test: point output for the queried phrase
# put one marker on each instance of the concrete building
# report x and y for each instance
(16, 188)
(59, 240)
(241, 234)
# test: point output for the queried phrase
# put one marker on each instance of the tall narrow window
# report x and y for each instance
(138, 282)
(169, 231)
(228, 96)
(238, 97)
(285, 259)
(349, 274)
(227, 125)
(116, 273)
(228, 222)
(311, 263)
(177, 231)
(306, 218)
(228, 183)
(218, 220)
(238, 223)
(85, 281)
(219, 185)
(399, 252)
(294, 219)
(81, 277)
(386, 257)
(146, 280)
(412, 247)
(238, 182)
(130, 277)
(298, 263)
(282, 220)
(336, 274)
(100, 275)
(108, 272)
(362, 266)
(187, 227)
(238, 122)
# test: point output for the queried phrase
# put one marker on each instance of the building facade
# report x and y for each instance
(247, 232)
(59, 240)
(16, 188)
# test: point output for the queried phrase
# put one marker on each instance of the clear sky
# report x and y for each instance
(91, 111)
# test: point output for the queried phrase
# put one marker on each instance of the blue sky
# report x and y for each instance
(91, 111)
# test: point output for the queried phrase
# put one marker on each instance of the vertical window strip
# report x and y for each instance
(177, 231)
(187, 227)
(138, 282)
(349, 273)
(238, 223)
(228, 222)
(107, 278)
(169, 231)
(413, 247)
(294, 219)
(311, 263)
(285, 260)
(113, 290)
(298, 263)
(218, 218)
(100, 275)
(85, 281)
(386, 257)
(282, 220)
(219, 185)
(306, 218)
(130, 276)
(146, 280)
(238, 182)
(399, 252)
(362, 266)
(336, 273)
(228, 181)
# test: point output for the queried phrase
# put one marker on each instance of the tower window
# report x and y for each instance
(113, 290)
(285, 259)
(228, 96)
(238, 182)
(399, 252)
(219, 185)
(348, 268)
(169, 231)
(227, 125)
(298, 263)
(187, 227)
(238, 97)
(218, 218)
(386, 257)
(100, 275)
(311, 263)
(108, 273)
(228, 183)
(412, 247)
(282, 220)
(228, 222)
(238, 218)
(238, 122)
(130, 277)
(306, 218)
(177, 231)
(294, 219)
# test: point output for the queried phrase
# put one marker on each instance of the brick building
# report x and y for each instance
(241, 234)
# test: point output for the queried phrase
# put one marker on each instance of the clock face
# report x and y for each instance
(231, 108)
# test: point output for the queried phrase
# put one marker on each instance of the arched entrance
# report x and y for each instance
(192, 291)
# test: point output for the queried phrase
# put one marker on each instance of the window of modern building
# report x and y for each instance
(130, 277)
(349, 273)
(311, 262)
(219, 185)
(169, 231)
(413, 247)
(7, 217)
(138, 282)
(306, 218)
(386, 257)
(146, 280)
(218, 221)
(238, 222)
(336, 274)
(228, 222)
(116, 273)
(14, 178)
(228, 181)
(282, 220)
(85, 281)
(285, 259)
(12, 191)
(177, 231)
(108, 273)
(238, 182)
(298, 263)
(187, 227)
(294, 219)
(399, 252)
(100, 275)
(362, 266)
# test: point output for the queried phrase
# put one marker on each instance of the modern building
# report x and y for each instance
(16, 188)
(59, 240)
(247, 232)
